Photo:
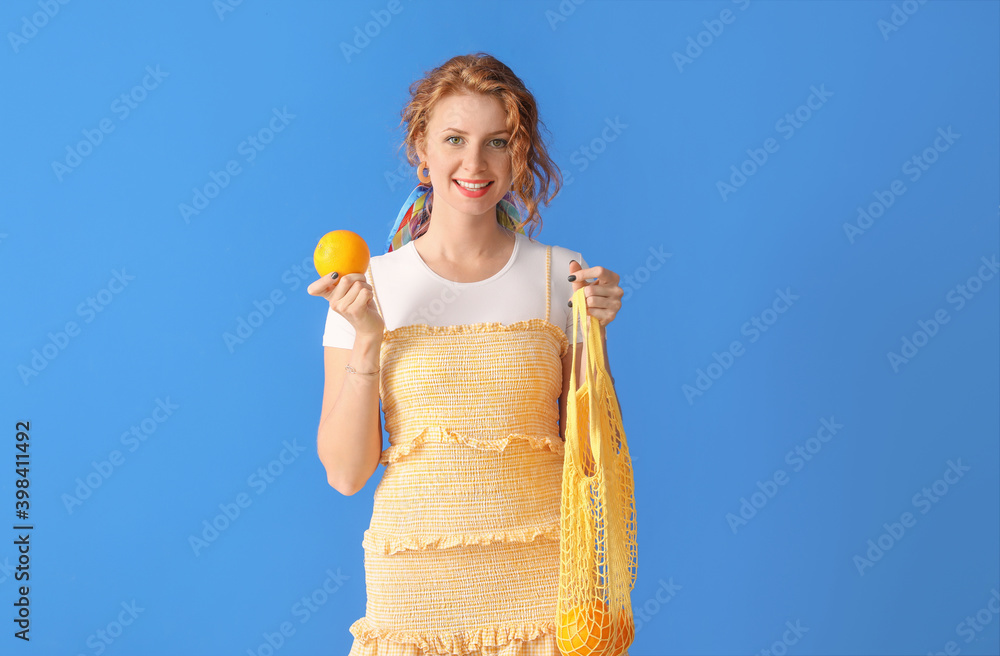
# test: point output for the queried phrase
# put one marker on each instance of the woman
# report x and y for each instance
(462, 555)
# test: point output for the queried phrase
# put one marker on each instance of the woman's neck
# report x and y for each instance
(464, 239)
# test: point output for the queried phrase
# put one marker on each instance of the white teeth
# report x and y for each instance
(473, 187)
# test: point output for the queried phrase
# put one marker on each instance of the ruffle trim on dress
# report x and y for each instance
(464, 642)
(441, 434)
(481, 327)
(390, 544)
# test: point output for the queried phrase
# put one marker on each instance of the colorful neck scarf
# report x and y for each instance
(415, 212)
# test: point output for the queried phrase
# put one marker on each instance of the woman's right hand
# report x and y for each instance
(351, 297)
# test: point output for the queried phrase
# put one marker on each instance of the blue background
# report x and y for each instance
(706, 585)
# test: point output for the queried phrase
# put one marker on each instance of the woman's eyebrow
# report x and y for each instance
(464, 132)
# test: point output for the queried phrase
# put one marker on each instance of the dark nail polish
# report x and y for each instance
(333, 276)
(572, 278)
(571, 303)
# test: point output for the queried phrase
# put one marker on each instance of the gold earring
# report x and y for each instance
(420, 171)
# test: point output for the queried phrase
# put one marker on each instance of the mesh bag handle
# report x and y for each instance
(595, 368)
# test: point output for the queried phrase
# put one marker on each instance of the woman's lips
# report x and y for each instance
(473, 193)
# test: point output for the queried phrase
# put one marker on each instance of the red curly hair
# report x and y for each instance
(481, 73)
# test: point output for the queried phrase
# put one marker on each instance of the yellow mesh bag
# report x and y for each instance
(597, 564)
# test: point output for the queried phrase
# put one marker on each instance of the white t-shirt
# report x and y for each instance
(409, 292)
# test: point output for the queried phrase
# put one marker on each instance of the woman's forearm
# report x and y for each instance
(349, 436)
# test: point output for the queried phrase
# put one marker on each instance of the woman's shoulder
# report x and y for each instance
(561, 255)
(387, 262)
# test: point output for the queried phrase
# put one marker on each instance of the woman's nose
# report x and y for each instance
(474, 159)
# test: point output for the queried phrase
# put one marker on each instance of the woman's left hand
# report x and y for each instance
(603, 294)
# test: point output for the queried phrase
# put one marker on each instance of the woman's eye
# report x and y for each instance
(497, 143)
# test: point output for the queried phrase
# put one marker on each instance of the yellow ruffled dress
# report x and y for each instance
(462, 554)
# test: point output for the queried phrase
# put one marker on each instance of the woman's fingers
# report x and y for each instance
(599, 302)
(574, 270)
(351, 297)
(349, 293)
(334, 288)
(322, 286)
(603, 296)
(602, 276)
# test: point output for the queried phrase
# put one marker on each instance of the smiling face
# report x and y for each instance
(465, 148)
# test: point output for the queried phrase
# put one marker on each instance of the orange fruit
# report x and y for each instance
(584, 630)
(342, 251)
(626, 634)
